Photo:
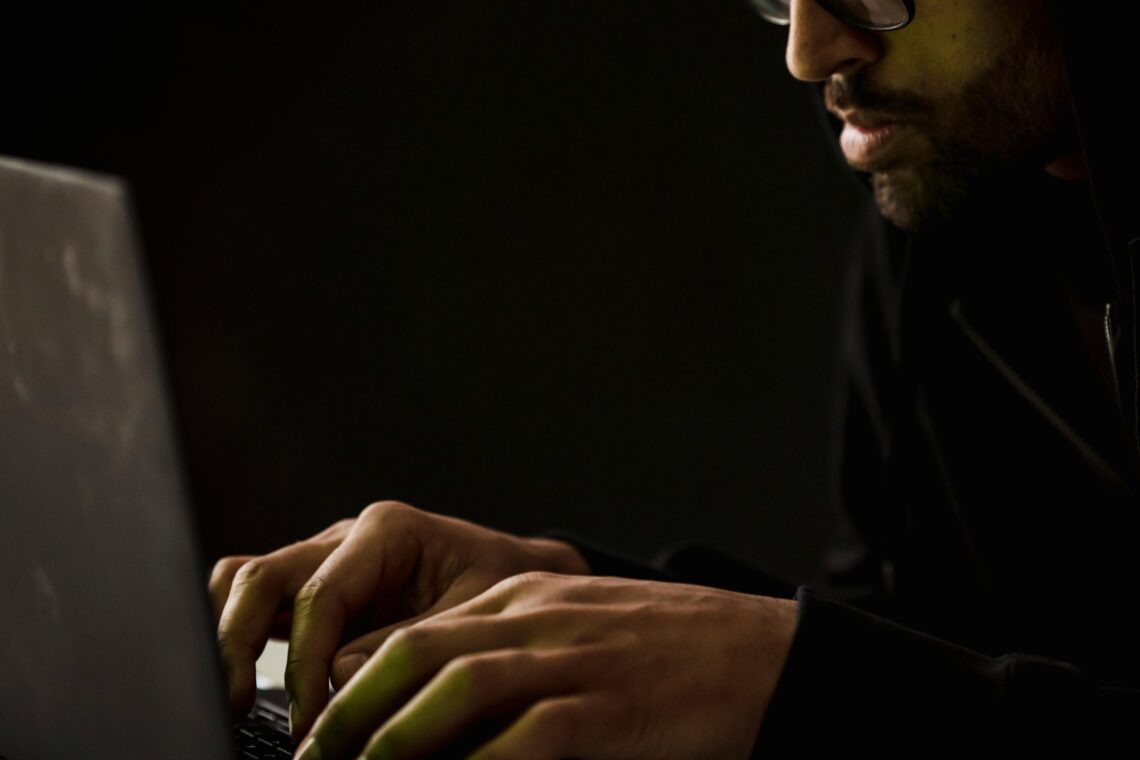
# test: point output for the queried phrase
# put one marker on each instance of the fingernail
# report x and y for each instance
(349, 664)
(308, 751)
(293, 710)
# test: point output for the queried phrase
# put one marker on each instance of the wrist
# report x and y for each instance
(776, 623)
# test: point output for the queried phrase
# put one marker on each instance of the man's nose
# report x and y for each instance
(819, 44)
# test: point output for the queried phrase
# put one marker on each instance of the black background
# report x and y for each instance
(536, 264)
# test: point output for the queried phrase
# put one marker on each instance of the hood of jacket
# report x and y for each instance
(1099, 52)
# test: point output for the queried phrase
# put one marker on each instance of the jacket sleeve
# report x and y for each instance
(604, 561)
(684, 563)
(857, 681)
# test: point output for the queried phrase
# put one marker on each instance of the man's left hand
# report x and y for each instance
(553, 666)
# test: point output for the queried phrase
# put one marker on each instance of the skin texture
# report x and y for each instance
(979, 86)
(440, 634)
(564, 666)
(338, 595)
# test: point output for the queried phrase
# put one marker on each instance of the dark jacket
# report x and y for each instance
(991, 483)
(983, 587)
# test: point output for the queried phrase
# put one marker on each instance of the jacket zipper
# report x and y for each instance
(1110, 340)
(1135, 306)
(1023, 389)
(1108, 337)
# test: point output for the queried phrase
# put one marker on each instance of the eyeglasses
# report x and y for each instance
(873, 15)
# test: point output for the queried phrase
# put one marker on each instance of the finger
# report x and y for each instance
(350, 658)
(517, 592)
(457, 601)
(472, 691)
(221, 578)
(560, 727)
(374, 562)
(222, 575)
(464, 600)
(407, 660)
(259, 589)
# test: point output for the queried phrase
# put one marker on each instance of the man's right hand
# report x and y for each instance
(392, 566)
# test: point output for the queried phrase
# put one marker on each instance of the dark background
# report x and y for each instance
(536, 264)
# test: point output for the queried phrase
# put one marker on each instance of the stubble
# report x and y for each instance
(1012, 116)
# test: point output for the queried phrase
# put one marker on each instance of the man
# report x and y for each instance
(990, 472)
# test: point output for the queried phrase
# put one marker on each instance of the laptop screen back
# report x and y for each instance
(105, 647)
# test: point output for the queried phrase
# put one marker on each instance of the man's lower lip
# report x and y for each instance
(863, 147)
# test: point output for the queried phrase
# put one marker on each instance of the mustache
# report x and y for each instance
(843, 93)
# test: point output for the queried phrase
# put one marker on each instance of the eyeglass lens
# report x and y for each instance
(869, 14)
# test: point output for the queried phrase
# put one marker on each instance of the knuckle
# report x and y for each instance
(311, 594)
(373, 511)
(255, 572)
(225, 642)
(526, 580)
(391, 514)
(299, 672)
(224, 569)
(233, 648)
(471, 673)
(407, 643)
(302, 671)
(557, 720)
(381, 509)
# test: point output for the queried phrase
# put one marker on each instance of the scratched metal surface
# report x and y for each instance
(104, 645)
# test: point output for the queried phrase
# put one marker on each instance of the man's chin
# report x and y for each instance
(911, 199)
(898, 196)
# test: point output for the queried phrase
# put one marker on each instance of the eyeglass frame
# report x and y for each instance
(831, 8)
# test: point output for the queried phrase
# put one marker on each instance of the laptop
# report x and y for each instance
(107, 648)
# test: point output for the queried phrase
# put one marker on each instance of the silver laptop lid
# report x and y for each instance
(105, 643)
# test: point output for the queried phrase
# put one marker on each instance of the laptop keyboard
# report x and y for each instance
(264, 735)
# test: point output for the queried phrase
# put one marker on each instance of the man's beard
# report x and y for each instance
(1011, 117)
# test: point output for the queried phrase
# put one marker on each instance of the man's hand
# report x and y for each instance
(568, 666)
(392, 566)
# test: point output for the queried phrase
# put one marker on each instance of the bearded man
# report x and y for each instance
(978, 594)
